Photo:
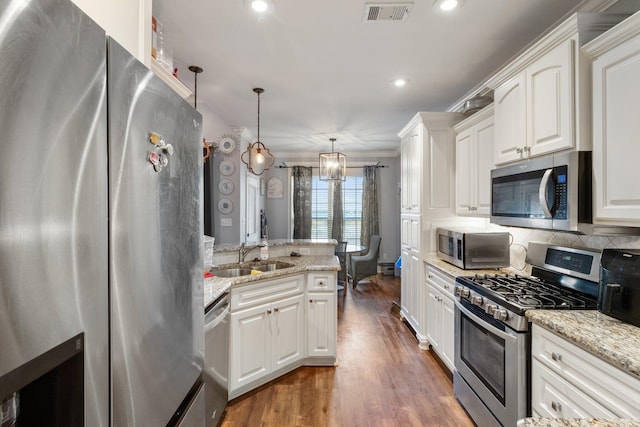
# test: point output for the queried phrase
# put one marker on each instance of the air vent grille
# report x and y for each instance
(386, 12)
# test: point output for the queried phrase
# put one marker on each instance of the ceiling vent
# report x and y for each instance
(386, 12)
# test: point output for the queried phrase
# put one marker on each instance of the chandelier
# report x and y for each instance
(258, 158)
(333, 165)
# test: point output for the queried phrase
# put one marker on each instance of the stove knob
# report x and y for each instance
(465, 293)
(457, 291)
(500, 314)
(490, 309)
(477, 300)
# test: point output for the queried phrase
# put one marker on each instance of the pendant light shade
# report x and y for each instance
(333, 165)
(258, 158)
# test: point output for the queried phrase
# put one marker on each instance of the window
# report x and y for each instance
(322, 209)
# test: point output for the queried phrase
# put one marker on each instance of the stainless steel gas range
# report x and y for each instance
(492, 334)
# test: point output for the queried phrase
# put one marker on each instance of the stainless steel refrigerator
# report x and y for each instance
(156, 267)
(101, 316)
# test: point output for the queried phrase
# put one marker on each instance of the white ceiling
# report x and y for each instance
(326, 73)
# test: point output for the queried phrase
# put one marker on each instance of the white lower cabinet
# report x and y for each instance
(440, 314)
(265, 338)
(280, 324)
(322, 320)
(569, 382)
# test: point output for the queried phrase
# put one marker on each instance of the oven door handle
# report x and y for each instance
(542, 193)
(502, 334)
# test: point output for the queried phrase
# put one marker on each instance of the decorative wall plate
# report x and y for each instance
(225, 186)
(227, 167)
(226, 145)
(225, 206)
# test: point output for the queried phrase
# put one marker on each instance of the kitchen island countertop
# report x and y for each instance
(611, 340)
(216, 286)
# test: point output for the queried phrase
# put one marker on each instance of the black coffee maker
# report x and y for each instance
(619, 293)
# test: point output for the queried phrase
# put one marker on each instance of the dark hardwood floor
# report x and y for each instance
(382, 377)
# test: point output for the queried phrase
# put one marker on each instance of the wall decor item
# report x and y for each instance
(225, 186)
(226, 144)
(227, 167)
(274, 188)
(225, 206)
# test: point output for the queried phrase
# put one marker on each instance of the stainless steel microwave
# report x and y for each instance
(473, 249)
(552, 192)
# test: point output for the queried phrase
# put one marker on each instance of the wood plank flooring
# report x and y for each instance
(382, 377)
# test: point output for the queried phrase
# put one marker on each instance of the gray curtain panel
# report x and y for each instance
(369, 225)
(337, 211)
(301, 202)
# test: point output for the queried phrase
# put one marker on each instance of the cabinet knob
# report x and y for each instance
(321, 283)
(276, 309)
(527, 149)
(519, 150)
(311, 301)
(268, 311)
(556, 406)
(557, 357)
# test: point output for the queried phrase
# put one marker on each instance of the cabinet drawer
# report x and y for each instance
(554, 397)
(442, 280)
(614, 389)
(264, 292)
(321, 281)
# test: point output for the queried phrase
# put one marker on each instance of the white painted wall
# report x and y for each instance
(127, 21)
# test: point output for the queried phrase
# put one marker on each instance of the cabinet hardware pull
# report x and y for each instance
(268, 311)
(311, 301)
(519, 150)
(556, 406)
(276, 309)
(557, 357)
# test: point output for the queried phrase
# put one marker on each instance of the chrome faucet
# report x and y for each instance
(244, 251)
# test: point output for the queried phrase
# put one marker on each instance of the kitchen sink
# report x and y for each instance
(246, 270)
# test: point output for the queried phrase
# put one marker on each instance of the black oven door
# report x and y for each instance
(492, 359)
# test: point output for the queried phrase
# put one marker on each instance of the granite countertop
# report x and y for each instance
(454, 271)
(611, 340)
(216, 286)
(576, 422)
(277, 243)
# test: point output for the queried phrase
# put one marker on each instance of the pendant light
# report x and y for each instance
(333, 165)
(258, 158)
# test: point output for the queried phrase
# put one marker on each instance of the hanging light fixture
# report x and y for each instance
(258, 158)
(333, 165)
(207, 145)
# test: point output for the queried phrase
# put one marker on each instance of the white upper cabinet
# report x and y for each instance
(474, 161)
(616, 124)
(543, 98)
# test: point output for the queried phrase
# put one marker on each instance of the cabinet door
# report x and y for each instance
(414, 234)
(550, 101)
(405, 232)
(321, 325)
(510, 114)
(414, 299)
(483, 154)
(415, 174)
(616, 148)
(250, 345)
(446, 337)
(287, 331)
(405, 281)
(464, 172)
(433, 326)
(405, 171)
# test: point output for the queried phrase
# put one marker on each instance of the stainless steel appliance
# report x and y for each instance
(101, 268)
(619, 295)
(492, 335)
(216, 372)
(156, 259)
(552, 192)
(54, 356)
(473, 249)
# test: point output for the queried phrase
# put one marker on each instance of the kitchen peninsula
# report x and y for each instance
(281, 319)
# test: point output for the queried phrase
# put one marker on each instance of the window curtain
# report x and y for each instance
(301, 202)
(369, 225)
(336, 210)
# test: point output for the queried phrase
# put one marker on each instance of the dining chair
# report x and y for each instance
(366, 265)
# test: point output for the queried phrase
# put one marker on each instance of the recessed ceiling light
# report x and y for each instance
(399, 82)
(448, 5)
(260, 6)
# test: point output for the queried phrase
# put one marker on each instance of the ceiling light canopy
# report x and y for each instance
(260, 6)
(258, 158)
(448, 5)
(400, 82)
(333, 165)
